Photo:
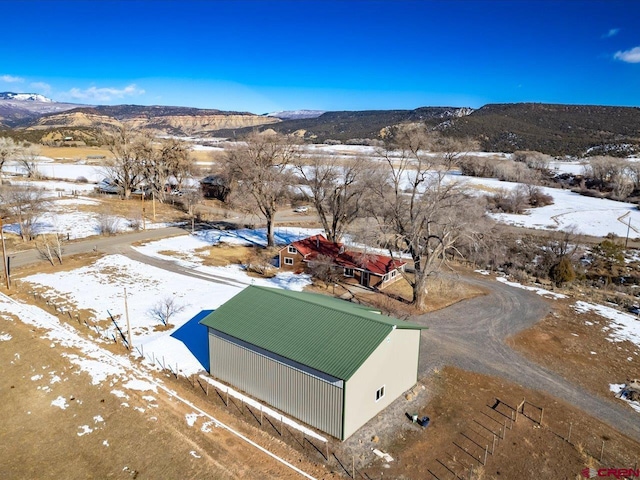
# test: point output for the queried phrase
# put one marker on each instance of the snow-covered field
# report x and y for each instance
(100, 288)
(586, 215)
(570, 211)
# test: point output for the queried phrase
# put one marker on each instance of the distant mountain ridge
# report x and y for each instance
(554, 129)
(365, 124)
(17, 109)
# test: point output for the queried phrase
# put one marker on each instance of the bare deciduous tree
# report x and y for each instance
(259, 174)
(164, 310)
(171, 160)
(337, 190)
(27, 204)
(8, 149)
(418, 211)
(50, 247)
(27, 158)
(324, 268)
(130, 150)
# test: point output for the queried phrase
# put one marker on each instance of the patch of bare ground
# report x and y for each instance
(224, 254)
(134, 208)
(576, 345)
(395, 299)
(463, 425)
(57, 424)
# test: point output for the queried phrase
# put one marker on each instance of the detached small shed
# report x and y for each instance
(330, 363)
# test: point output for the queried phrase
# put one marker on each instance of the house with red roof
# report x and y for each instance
(369, 270)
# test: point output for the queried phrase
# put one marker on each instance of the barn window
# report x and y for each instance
(380, 393)
(348, 272)
(288, 261)
(292, 249)
(393, 273)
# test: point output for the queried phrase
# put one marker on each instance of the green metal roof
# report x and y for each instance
(325, 333)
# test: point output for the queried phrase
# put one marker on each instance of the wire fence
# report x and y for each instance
(475, 446)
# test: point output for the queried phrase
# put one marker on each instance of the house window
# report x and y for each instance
(393, 273)
(348, 272)
(292, 249)
(380, 393)
(288, 261)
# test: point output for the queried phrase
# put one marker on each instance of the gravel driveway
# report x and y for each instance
(471, 335)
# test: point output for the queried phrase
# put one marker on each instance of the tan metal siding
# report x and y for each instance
(315, 401)
(394, 365)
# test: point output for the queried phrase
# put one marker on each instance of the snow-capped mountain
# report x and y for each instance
(296, 114)
(19, 108)
(25, 97)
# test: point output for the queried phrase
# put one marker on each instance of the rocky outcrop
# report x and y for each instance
(74, 119)
(181, 125)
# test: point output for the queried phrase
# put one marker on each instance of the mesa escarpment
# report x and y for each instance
(190, 124)
(198, 124)
(75, 119)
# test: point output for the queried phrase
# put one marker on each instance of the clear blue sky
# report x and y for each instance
(263, 56)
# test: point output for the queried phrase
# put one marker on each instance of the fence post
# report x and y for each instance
(493, 448)
(486, 450)
(541, 415)
(569, 436)
(602, 451)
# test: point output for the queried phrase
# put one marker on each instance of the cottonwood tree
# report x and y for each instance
(418, 210)
(130, 149)
(337, 190)
(170, 160)
(259, 175)
(8, 149)
(27, 159)
(27, 204)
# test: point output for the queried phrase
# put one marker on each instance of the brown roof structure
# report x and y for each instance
(312, 247)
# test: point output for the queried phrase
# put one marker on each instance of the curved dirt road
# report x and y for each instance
(471, 335)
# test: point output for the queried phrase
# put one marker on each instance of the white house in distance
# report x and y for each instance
(330, 363)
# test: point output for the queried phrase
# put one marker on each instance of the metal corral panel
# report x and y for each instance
(310, 396)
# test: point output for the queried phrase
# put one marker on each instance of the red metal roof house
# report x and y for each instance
(369, 270)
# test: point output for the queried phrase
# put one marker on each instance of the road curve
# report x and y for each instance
(471, 335)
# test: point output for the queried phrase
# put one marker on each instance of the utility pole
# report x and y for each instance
(626, 241)
(144, 223)
(4, 256)
(126, 313)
